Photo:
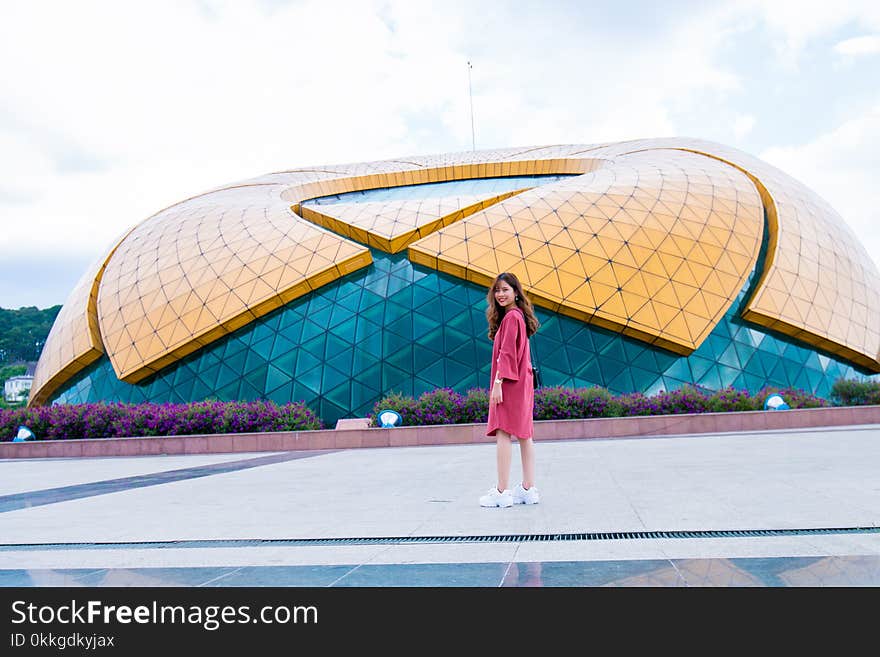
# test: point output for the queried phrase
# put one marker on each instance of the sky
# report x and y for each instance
(111, 111)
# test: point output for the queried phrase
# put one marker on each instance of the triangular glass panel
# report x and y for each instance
(622, 381)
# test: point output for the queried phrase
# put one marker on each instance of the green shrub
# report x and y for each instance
(72, 421)
(476, 406)
(794, 397)
(440, 406)
(444, 406)
(731, 399)
(560, 403)
(396, 401)
(851, 392)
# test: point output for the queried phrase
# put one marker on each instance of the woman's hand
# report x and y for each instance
(495, 395)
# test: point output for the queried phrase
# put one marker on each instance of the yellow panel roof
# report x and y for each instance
(393, 225)
(74, 342)
(580, 246)
(204, 268)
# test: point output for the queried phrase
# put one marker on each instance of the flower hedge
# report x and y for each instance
(70, 421)
(445, 406)
(440, 406)
(848, 392)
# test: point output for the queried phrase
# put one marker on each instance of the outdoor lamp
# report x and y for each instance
(389, 418)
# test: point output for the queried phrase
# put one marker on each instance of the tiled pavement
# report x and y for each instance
(610, 515)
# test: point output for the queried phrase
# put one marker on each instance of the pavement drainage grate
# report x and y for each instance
(409, 540)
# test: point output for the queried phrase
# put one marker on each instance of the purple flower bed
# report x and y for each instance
(71, 421)
(849, 392)
(440, 406)
(560, 403)
(445, 406)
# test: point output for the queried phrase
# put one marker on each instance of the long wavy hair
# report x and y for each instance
(495, 313)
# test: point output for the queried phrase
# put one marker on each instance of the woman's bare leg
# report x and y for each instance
(503, 456)
(527, 455)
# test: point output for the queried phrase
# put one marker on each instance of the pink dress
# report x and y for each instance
(512, 361)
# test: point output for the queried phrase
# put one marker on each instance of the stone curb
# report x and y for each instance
(352, 434)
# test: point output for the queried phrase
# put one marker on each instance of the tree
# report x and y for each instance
(23, 333)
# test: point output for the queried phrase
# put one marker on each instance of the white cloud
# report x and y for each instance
(743, 125)
(117, 110)
(795, 24)
(863, 45)
(113, 111)
(842, 167)
(23, 171)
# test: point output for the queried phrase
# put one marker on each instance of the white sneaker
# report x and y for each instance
(522, 496)
(494, 498)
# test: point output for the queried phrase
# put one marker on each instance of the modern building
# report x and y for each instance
(17, 388)
(652, 263)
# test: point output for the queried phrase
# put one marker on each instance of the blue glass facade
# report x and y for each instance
(398, 326)
(475, 186)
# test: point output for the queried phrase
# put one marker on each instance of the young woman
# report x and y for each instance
(512, 322)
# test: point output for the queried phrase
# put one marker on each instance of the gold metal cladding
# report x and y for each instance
(822, 286)
(432, 170)
(393, 225)
(74, 342)
(207, 267)
(212, 264)
(819, 285)
(832, 302)
(657, 247)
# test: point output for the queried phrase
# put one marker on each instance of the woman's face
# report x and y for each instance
(505, 295)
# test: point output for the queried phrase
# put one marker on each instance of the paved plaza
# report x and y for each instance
(770, 508)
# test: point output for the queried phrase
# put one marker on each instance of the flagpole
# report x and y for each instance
(471, 93)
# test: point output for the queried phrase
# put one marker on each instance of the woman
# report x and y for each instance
(512, 322)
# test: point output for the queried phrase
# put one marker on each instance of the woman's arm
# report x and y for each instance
(512, 327)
